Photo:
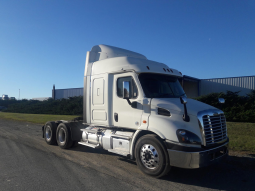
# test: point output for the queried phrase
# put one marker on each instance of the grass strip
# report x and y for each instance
(241, 136)
(34, 118)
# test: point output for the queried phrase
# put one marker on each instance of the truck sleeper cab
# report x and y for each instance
(137, 108)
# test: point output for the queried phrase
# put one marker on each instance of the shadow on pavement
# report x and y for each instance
(86, 149)
(235, 173)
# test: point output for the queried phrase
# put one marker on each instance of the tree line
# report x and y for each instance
(70, 106)
(236, 108)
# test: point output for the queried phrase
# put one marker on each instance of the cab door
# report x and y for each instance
(99, 100)
(123, 114)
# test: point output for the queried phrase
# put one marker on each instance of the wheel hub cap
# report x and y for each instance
(62, 136)
(48, 133)
(149, 156)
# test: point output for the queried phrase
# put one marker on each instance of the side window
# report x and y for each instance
(134, 91)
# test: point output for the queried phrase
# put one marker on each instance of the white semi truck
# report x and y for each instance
(137, 108)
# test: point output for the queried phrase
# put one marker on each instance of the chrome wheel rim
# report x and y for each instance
(62, 136)
(48, 133)
(149, 156)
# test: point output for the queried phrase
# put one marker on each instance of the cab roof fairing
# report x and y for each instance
(121, 64)
(102, 52)
(107, 51)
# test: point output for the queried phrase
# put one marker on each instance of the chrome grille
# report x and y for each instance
(215, 128)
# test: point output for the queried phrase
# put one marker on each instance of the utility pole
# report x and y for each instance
(19, 94)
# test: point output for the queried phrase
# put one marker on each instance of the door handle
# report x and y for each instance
(116, 117)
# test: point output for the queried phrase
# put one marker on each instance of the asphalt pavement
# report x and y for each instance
(28, 163)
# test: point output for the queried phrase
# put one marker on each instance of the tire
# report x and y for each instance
(75, 144)
(50, 133)
(63, 136)
(151, 157)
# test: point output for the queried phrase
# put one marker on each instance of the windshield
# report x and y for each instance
(160, 86)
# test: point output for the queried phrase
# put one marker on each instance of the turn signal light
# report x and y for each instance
(144, 121)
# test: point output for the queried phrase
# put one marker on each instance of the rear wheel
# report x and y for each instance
(75, 144)
(64, 136)
(50, 133)
(151, 157)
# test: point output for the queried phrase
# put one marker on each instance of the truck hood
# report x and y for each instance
(174, 104)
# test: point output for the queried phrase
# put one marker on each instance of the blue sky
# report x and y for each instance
(44, 42)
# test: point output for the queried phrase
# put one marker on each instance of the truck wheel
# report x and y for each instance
(151, 157)
(75, 144)
(50, 133)
(64, 137)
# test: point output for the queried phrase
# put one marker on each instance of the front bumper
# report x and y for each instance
(198, 159)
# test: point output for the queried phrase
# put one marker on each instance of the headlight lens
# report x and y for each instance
(187, 137)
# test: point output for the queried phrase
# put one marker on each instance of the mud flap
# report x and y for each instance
(43, 131)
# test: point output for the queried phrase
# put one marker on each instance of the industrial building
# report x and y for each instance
(66, 93)
(244, 84)
(5, 97)
(197, 87)
(193, 87)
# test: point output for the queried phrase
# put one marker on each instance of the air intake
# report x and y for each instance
(164, 112)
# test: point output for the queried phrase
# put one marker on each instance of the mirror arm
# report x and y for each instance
(129, 102)
(185, 116)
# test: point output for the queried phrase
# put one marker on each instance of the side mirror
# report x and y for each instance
(126, 90)
(221, 100)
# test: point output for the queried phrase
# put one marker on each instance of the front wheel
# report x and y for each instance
(150, 156)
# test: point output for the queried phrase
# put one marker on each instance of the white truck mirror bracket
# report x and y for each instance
(185, 115)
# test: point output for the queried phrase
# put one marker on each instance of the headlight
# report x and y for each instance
(187, 137)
